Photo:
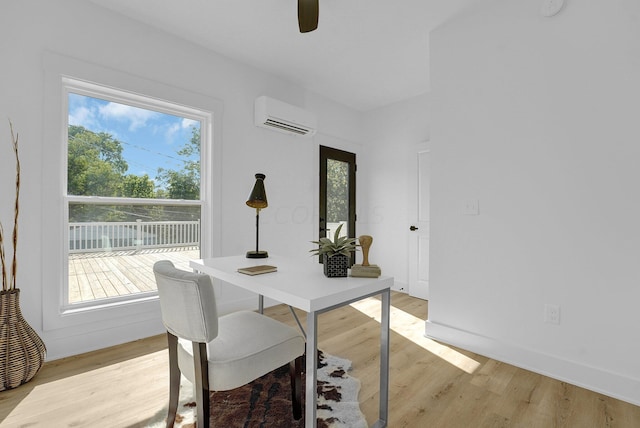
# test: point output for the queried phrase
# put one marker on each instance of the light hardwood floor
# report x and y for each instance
(432, 385)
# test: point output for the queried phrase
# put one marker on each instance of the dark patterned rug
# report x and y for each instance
(266, 403)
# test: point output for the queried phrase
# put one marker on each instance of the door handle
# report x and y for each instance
(413, 228)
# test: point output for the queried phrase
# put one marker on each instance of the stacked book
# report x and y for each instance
(370, 271)
(257, 270)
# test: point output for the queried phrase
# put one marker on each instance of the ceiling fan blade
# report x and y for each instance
(308, 15)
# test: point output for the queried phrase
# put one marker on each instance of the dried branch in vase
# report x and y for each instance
(4, 267)
(9, 281)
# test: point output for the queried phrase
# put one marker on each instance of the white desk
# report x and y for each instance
(304, 286)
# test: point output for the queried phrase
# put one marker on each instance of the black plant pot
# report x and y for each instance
(335, 266)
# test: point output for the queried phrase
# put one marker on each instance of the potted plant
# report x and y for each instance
(336, 253)
(22, 351)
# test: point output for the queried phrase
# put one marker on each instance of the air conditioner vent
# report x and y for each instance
(279, 116)
(287, 127)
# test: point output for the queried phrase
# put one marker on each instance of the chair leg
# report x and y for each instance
(201, 362)
(174, 379)
(295, 373)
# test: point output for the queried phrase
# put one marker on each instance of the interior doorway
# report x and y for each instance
(419, 229)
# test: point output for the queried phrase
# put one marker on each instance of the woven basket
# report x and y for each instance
(21, 349)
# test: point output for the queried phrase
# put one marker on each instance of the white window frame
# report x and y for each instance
(64, 75)
(74, 86)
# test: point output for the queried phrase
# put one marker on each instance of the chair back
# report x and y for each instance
(187, 302)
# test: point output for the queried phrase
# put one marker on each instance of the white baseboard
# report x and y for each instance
(80, 343)
(69, 345)
(605, 382)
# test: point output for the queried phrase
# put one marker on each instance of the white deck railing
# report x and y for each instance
(109, 236)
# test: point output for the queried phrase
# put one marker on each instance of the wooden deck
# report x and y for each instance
(95, 276)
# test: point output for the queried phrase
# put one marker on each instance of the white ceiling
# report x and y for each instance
(364, 54)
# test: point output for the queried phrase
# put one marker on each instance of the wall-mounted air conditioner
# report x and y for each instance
(280, 116)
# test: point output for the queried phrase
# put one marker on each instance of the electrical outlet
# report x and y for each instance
(551, 313)
(471, 207)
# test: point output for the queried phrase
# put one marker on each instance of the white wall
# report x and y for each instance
(83, 31)
(538, 119)
(391, 134)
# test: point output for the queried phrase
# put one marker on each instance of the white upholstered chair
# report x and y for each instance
(220, 353)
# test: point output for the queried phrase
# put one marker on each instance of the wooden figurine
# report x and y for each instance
(365, 269)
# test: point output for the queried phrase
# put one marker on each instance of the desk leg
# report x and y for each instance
(293, 313)
(260, 304)
(311, 374)
(384, 360)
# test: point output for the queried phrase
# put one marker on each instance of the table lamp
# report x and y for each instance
(258, 200)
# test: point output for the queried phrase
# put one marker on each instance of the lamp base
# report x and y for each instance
(257, 254)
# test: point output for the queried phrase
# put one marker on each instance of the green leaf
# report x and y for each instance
(337, 233)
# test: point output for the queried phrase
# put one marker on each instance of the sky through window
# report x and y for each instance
(150, 139)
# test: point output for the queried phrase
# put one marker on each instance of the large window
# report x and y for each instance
(133, 191)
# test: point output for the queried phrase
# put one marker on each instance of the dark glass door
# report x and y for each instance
(337, 193)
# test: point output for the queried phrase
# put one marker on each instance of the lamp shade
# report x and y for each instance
(258, 197)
